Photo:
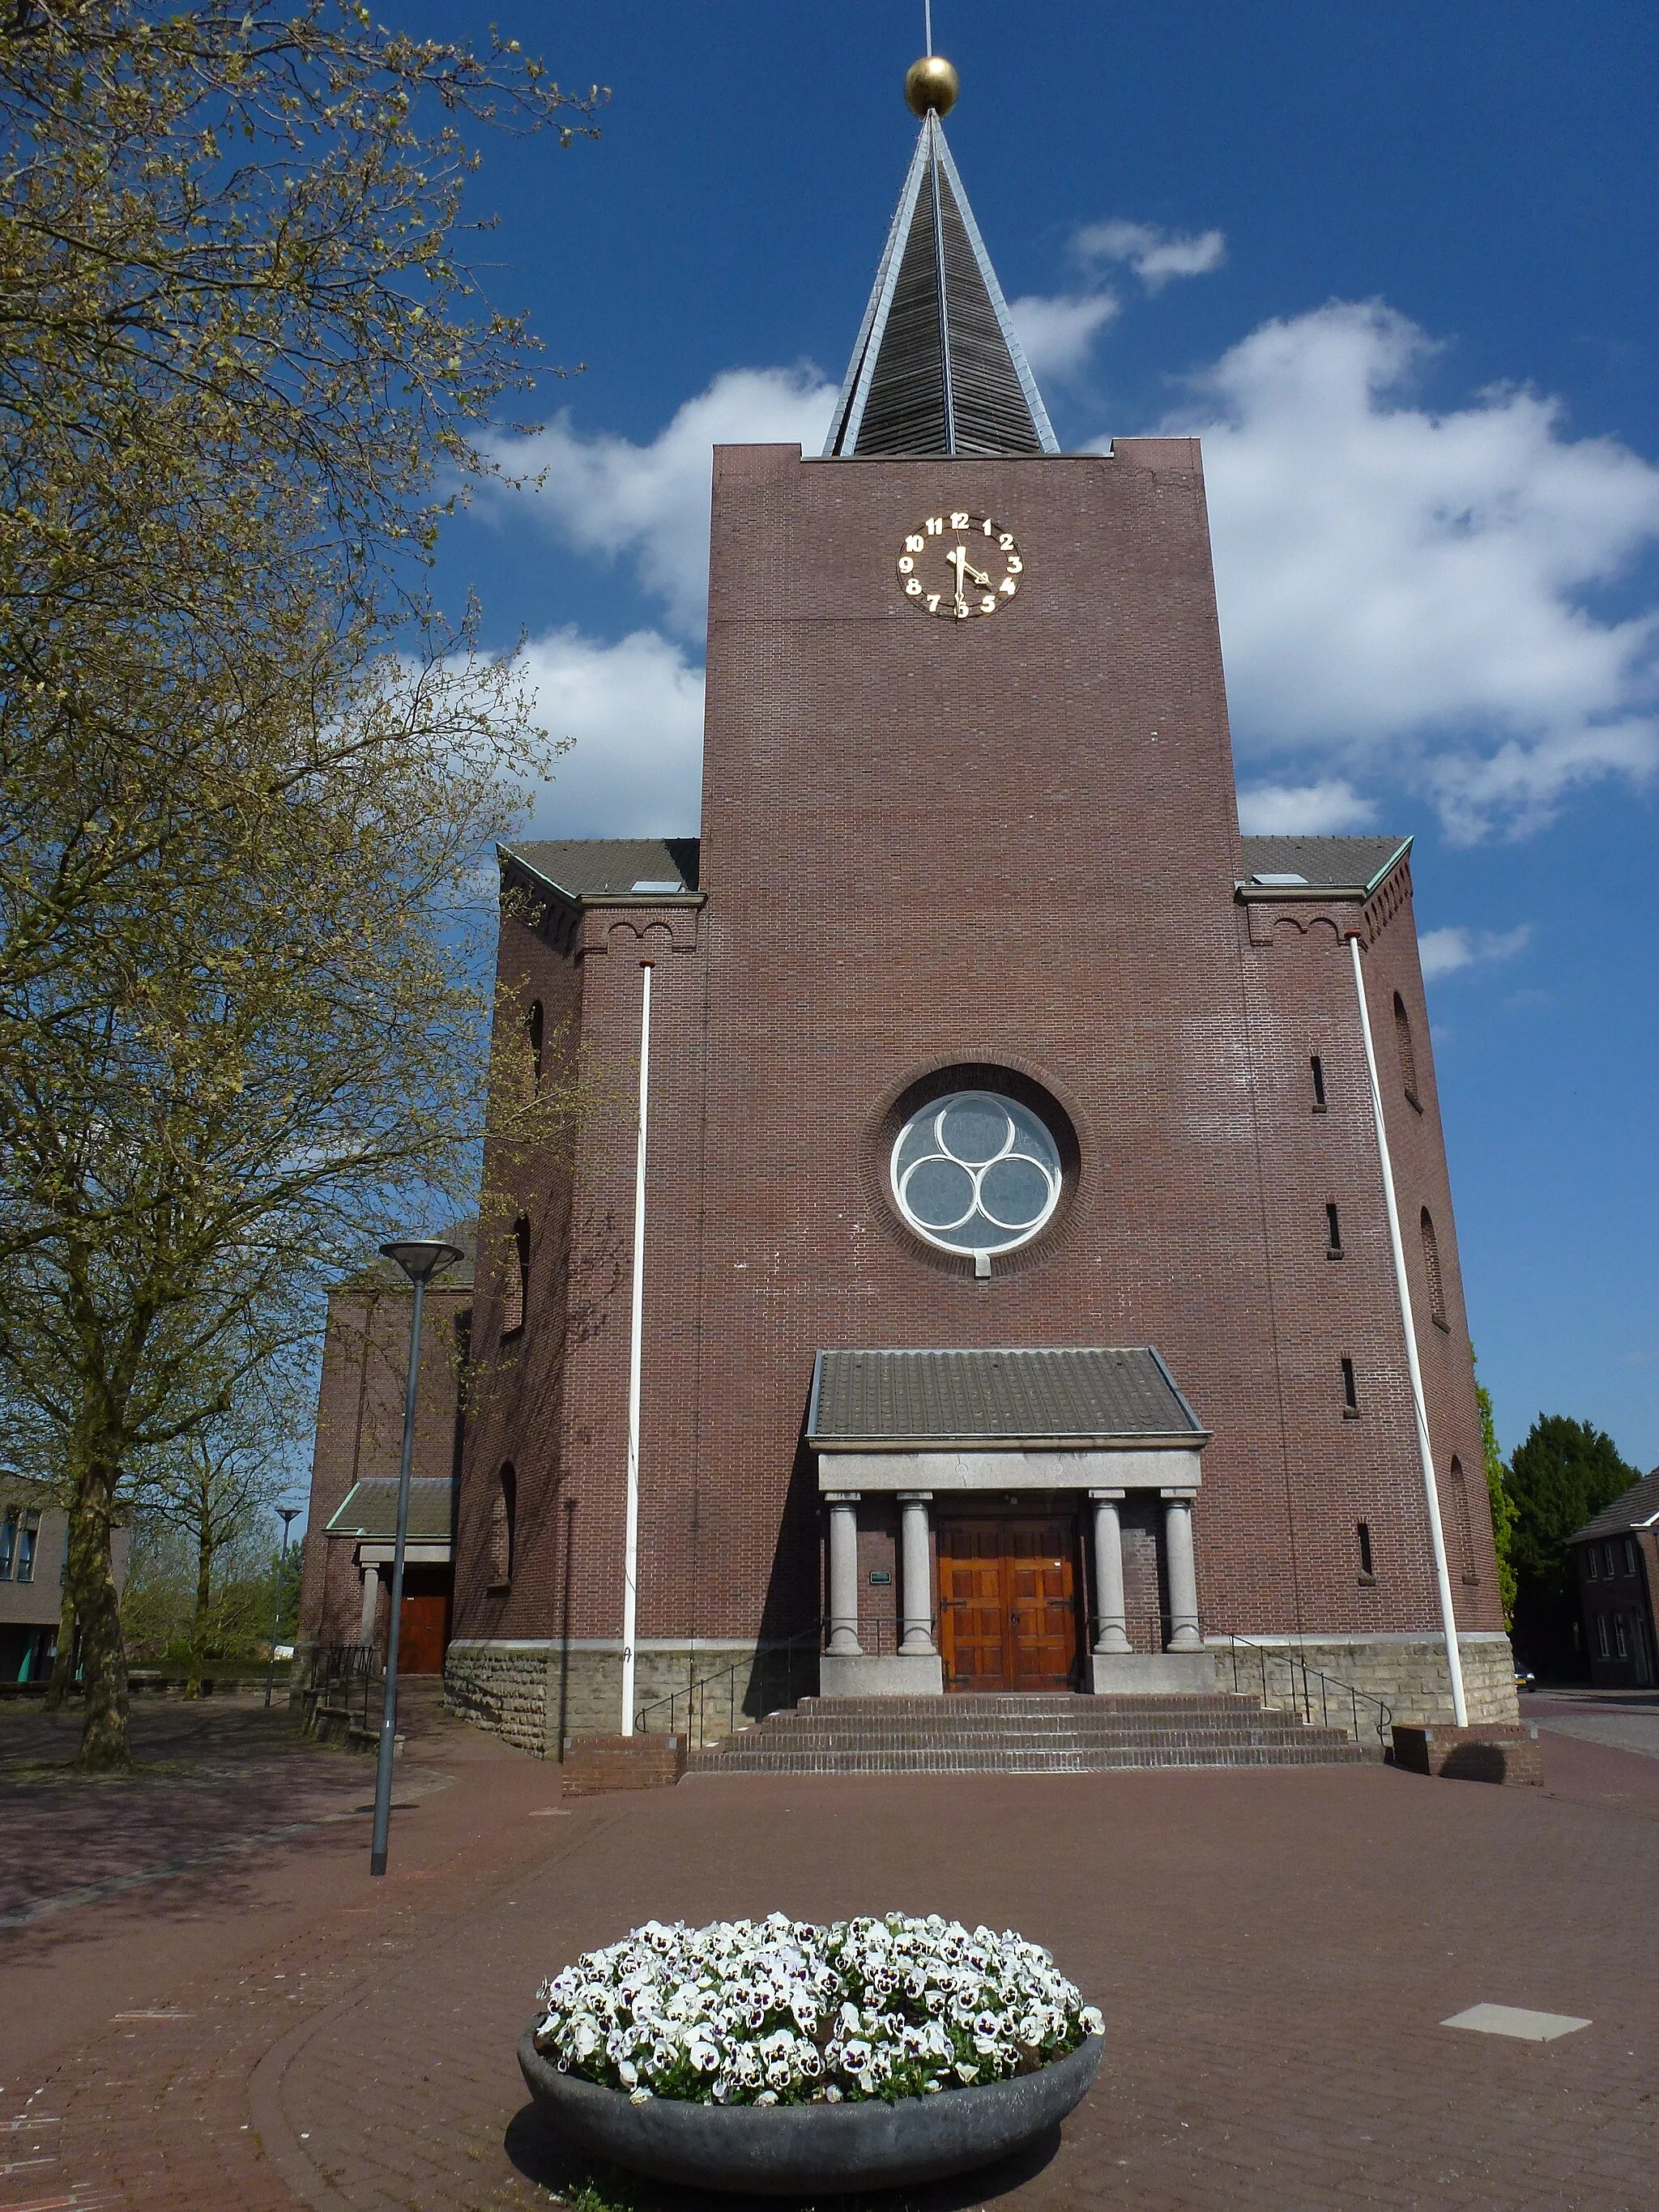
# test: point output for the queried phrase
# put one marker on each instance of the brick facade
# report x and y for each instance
(1007, 844)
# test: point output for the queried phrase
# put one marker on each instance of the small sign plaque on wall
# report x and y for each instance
(880, 1576)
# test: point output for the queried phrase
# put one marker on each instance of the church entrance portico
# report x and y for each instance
(1042, 1534)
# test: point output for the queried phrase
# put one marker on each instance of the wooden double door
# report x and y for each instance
(1008, 1603)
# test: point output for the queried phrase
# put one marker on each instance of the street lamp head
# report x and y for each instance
(422, 1257)
(287, 1513)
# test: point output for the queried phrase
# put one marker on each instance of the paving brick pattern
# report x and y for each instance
(1273, 1953)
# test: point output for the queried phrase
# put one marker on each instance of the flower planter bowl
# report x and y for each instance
(799, 2149)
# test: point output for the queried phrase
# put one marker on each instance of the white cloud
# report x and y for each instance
(635, 710)
(1406, 592)
(1303, 810)
(649, 504)
(1058, 332)
(1443, 951)
(1154, 254)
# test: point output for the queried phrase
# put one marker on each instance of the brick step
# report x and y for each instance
(1041, 1701)
(1069, 1740)
(1015, 1761)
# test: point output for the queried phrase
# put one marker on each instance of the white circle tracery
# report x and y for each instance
(975, 1172)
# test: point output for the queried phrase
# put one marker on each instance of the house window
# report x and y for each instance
(503, 1518)
(1402, 1031)
(1333, 1230)
(1367, 1570)
(1630, 1556)
(29, 1537)
(533, 1027)
(1618, 1634)
(1592, 1562)
(1431, 1269)
(1316, 1069)
(8, 1542)
(1602, 1635)
(1460, 1491)
(516, 1290)
(1350, 1392)
(1606, 1557)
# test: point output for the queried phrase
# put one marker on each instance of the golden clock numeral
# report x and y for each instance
(988, 527)
(1015, 564)
(936, 525)
(934, 599)
(963, 610)
(905, 564)
(1006, 541)
(913, 588)
(959, 521)
(915, 541)
(1008, 587)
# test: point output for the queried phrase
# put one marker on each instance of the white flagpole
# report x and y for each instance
(1430, 1488)
(631, 1539)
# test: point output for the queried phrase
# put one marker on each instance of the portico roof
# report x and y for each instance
(1072, 1399)
(369, 1509)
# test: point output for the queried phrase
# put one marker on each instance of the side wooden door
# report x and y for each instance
(973, 1614)
(421, 1632)
(1041, 1604)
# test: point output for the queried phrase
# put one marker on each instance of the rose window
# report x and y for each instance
(975, 1172)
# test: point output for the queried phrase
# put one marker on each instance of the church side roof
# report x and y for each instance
(1091, 1395)
(1327, 867)
(1637, 1509)
(938, 367)
(612, 867)
(369, 1509)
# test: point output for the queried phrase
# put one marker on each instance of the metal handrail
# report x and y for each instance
(708, 1692)
(343, 1667)
(1295, 1664)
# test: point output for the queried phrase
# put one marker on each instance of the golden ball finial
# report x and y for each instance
(931, 85)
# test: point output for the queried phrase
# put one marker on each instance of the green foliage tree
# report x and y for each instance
(1502, 1504)
(1562, 1475)
(239, 1025)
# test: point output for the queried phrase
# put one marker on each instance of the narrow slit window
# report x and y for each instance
(1630, 1556)
(1333, 1230)
(1431, 1270)
(1350, 1392)
(533, 1024)
(1602, 1635)
(1316, 1069)
(1402, 1030)
(29, 1536)
(1606, 1554)
(1590, 1560)
(515, 1288)
(1619, 1633)
(1367, 1567)
(1460, 1491)
(503, 1514)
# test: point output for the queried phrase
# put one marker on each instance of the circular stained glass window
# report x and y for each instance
(975, 1172)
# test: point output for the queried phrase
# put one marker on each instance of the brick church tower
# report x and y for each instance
(1038, 1270)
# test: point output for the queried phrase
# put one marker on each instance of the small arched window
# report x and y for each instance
(515, 1288)
(1460, 1499)
(1402, 1030)
(1431, 1269)
(503, 1516)
(533, 1028)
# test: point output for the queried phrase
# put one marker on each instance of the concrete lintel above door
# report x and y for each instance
(944, 1472)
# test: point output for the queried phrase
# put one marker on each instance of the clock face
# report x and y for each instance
(958, 566)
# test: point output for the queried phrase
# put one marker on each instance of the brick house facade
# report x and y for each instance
(1615, 1560)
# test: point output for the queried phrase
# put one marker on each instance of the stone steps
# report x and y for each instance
(1015, 1734)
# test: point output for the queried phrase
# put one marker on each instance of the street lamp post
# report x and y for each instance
(420, 1259)
(289, 1515)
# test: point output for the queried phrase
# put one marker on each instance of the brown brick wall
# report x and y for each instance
(1013, 842)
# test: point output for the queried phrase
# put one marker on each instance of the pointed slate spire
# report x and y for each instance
(938, 367)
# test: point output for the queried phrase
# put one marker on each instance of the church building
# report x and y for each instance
(1005, 1245)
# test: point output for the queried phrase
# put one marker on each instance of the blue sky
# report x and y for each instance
(1397, 265)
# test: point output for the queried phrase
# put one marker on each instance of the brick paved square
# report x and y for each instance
(1274, 1951)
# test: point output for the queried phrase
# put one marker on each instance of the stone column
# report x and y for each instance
(371, 1604)
(1111, 1633)
(843, 1573)
(916, 1581)
(1183, 1584)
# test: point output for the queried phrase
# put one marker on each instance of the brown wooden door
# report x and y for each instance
(1007, 1614)
(972, 1608)
(1043, 1615)
(421, 1632)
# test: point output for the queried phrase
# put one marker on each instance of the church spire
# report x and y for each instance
(939, 367)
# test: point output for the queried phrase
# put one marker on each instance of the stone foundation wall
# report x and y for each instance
(1408, 1673)
(539, 1696)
